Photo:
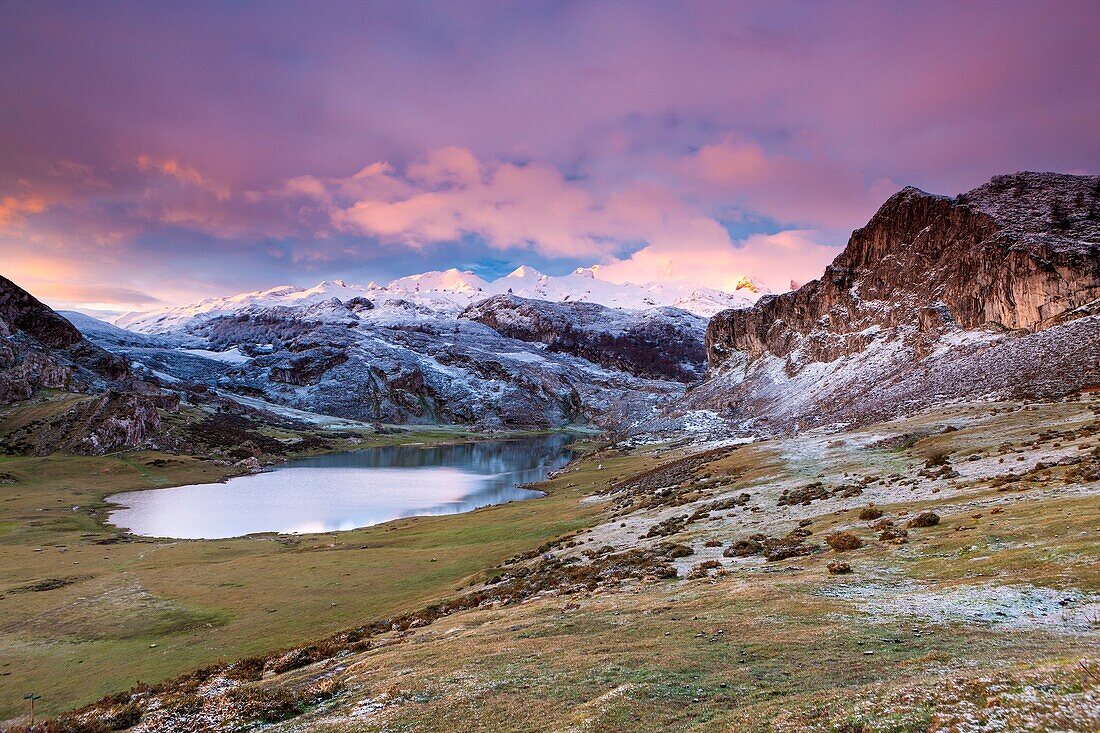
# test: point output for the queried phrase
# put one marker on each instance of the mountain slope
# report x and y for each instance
(431, 348)
(404, 363)
(992, 293)
(107, 408)
(40, 349)
(661, 343)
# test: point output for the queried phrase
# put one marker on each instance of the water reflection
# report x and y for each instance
(347, 490)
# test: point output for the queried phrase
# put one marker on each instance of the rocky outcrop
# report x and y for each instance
(660, 343)
(932, 288)
(103, 423)
(21, 312)
(41, 350)
(1020, 253)
(305, 367)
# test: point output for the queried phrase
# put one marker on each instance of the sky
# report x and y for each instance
(159, 153)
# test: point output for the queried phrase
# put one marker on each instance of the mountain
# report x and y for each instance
(102, 406)
(40, 349)
(404, 362)
(450, 291)
(994, 293)
(524, 351)
(660, 343)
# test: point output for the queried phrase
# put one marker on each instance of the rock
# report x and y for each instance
(103, 424)
(252, 464)
(41, 350)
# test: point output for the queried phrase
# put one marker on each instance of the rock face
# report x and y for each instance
(40, 349)
(103, 423)
(660, 343)
(986, 293)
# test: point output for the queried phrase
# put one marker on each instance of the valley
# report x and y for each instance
(78, 594)
(643, 611)
(866, 504)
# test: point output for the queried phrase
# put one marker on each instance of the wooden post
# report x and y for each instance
(32, 697)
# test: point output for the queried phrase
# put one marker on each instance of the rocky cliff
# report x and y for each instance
(40, 350)
(935, 298)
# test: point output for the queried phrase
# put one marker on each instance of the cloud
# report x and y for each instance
(703, 253)
(446, 200)
(451, 194)
(811, 190)
(95, 294)
(13, 209)
(643, 233)
(184, 174)
(64, 284)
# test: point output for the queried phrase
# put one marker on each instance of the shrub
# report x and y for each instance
(937, 458)
(843, 541)
(675, 550)
(870, 512)
(744, 548)
(925, 519)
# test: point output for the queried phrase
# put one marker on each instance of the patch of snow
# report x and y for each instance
(1016, 607)
(229, 356)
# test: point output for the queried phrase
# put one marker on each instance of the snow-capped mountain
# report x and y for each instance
(450, 291)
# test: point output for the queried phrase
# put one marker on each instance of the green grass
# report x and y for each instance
(147, 610)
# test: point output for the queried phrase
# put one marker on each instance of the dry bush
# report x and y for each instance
(870, 512)
(843, 541)
(925, 519)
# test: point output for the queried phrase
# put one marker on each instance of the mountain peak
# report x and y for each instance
(747, 283)
(525, 272)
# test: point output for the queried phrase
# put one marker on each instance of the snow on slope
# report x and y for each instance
(452, 290)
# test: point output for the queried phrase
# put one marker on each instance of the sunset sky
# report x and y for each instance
(157, 153)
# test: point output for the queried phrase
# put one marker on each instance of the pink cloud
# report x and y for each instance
(184, 174)
(684, 244)
(811, 190)
(451, 194)
(15, 209)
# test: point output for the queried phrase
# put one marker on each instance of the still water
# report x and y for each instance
(346, 490)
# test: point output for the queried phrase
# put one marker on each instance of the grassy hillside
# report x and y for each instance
(986, 616)
(86, 610)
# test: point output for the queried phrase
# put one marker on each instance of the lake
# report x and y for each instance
(340, 491)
